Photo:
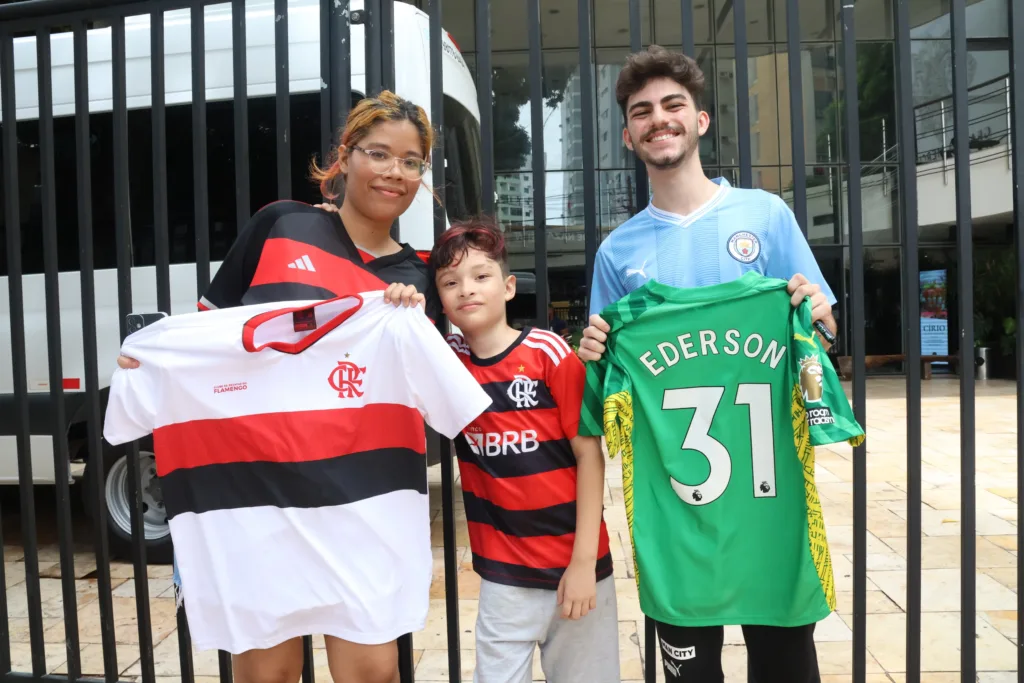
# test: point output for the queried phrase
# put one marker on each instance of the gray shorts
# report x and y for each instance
(511, 622)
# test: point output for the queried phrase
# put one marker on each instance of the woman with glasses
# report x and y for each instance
(292, 251)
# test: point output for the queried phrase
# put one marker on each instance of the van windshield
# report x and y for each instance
(462, 161)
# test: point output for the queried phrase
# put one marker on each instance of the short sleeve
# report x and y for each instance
(565, 382)
(132, 405)
(829, 417)
(790, 254)
(607, 287)
(232, 279)
(445, 392)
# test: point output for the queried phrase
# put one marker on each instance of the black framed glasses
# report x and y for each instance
(381, 162)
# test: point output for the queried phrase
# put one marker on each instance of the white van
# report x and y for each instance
(411, 38)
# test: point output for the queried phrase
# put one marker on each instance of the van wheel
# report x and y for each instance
(159, 549)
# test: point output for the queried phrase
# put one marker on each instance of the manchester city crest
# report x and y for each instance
(744, 247)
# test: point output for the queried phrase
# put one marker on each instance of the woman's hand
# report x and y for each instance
(404, 295)
(126, 363)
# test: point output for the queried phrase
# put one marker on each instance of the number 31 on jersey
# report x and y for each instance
(704, 401)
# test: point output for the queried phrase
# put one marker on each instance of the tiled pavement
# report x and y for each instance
(886, 580)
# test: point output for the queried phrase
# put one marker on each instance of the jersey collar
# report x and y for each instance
(283, 329)
(681, 220)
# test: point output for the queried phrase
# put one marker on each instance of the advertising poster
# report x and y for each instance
(934, 317)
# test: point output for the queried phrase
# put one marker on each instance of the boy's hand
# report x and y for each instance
(594, 337)
(404, 295)
(577, 591)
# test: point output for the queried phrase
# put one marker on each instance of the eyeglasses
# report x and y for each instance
(381, 162)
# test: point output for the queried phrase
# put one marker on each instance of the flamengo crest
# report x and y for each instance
(346, 379)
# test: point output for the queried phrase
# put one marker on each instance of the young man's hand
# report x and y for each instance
(594, 337)
(404, 295)
(577, 591)
(800, 287)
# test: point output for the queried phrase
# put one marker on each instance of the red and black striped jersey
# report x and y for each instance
(291, 251)
(517, 465)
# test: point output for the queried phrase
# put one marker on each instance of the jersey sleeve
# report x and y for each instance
(236, 272)
(565, 381)
(607, 287)
(829, 418)
(133, 403)
(445, 392)
(790, 254)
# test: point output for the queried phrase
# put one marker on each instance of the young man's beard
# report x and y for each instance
(663, 163)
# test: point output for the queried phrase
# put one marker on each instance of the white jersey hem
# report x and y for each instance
(357, 637)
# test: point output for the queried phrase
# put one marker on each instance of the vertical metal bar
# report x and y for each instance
(224, 666)
(123, 232)
(17, 311)
(61, 465)
(200, 182)
(857, 304)
(1009, 126)
(451, 565)
(308, 675)
(650, 651)
(188, 673)
(387, 44)
(907, 141)
(326, 83)
(739, 16)
(643, 192)
(387, 65)
(965, 259)
(591, 236)
(243, 204)
(282, 99)
(1017, 112)
(372, 38)
(485, 101)
(160, 216)
(95, 497)
(340, 71)
(686, 14)
(796, 113)
(540, 239)
(942, 122)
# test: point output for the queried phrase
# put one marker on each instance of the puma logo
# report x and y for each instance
(810, 340)
(638, 271)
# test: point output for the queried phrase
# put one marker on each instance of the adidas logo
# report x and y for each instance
(303, 264)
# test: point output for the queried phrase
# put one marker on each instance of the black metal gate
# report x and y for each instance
(47, 18)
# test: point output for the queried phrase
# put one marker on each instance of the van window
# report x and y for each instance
(462, 157)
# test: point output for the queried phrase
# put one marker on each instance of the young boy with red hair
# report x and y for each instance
(533, 487)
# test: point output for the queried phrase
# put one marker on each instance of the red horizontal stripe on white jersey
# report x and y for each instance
(286, 437)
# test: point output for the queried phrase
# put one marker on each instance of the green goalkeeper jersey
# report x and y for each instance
(716, 397)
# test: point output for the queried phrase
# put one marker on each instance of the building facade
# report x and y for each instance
(826, 160)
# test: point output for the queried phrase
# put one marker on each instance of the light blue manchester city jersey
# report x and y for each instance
(736, 231)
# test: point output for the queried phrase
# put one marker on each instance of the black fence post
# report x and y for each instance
(851, 109)
(1017, 160)
(965, 260)
(907, 139)
(61, 466)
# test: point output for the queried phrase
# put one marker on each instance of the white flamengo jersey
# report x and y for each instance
(290, 446)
